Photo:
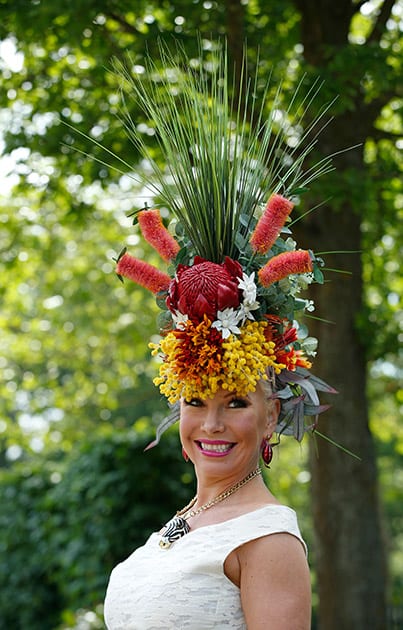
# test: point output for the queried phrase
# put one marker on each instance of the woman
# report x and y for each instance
(243, 563)
(235, 364)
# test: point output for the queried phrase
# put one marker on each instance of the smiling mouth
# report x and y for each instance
(215, 448)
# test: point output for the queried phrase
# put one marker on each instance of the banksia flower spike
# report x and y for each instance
(157, 235)
(270, 223)
(285, 264)
(142, 273)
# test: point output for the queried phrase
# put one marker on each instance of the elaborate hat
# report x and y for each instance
(231, 292)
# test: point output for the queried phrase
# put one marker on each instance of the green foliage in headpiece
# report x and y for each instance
(225, 155)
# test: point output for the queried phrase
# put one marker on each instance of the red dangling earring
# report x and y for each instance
(185, 455)
(267, 451)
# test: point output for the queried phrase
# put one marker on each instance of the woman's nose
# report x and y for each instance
(212, 421)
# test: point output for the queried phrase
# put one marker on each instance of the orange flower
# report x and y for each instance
(199, 350)
(157, 235)
(293, 358)
(283, 265)
(270, 223)
(142, 273)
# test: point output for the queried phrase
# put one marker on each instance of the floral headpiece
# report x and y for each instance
(230, 297)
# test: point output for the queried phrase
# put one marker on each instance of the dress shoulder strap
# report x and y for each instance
(270, 519)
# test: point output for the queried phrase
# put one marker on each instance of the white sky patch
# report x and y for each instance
(13, 61)
(10, 58)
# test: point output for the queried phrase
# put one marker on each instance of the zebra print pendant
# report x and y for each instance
(174, 529)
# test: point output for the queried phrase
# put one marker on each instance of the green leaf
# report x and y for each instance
(318, 275)
(164, 319)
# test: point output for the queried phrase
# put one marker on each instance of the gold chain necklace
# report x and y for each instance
(178, 525)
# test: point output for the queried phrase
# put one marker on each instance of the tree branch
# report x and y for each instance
(235, 11)
(380, 23)
(128, 28)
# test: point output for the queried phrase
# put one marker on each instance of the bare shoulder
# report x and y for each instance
(274, 547)
(275, 585)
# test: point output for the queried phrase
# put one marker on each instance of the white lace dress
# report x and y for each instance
(184, 587)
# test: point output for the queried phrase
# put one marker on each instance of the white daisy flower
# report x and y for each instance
(179, 320)
(248, 286)
(226, 322)
(245, 311)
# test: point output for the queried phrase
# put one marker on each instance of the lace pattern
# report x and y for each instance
(184, 587)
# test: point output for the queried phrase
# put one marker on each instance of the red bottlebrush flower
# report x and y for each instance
(157, 235)
(285, 264)
(205, 288)
(143, 273)
(270, 223)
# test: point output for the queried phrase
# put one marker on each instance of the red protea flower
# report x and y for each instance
(142, 273)
(157, 235)
(283, 265)
(270, 223)
(205, 288)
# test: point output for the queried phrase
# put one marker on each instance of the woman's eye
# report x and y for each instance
(194, 402)
(237, 403)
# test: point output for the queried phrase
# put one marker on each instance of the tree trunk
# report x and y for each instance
(349, 552)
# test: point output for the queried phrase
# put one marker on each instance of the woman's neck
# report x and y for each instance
(242, 485)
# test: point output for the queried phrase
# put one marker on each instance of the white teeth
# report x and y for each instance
(217, 448)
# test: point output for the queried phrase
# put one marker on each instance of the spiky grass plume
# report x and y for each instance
(221, 167)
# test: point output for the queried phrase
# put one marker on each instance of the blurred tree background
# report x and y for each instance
(77, 404)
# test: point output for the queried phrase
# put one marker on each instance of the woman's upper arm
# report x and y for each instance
(275, 584)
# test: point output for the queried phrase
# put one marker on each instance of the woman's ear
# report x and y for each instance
(273, 410)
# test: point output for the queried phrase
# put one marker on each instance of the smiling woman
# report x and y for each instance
(234, 363)
(199, 571)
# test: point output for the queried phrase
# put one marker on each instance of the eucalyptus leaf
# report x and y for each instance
(160, 300)
(310, 345)
(299, 304)
(318, 275)
(164, 320)
(182, 257)
(302, 331)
